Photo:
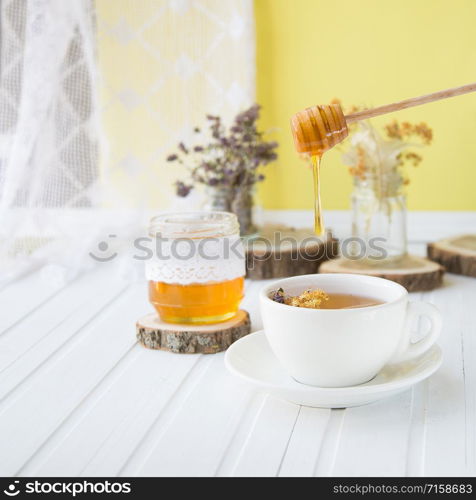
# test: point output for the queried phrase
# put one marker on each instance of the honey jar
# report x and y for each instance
(196, 275)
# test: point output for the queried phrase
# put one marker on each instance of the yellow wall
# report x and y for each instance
(370, 52)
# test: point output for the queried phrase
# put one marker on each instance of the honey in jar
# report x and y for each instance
(197, 274)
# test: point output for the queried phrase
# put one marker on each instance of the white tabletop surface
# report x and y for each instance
(80, 397)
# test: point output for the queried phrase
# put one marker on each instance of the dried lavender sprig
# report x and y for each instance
(236, 153)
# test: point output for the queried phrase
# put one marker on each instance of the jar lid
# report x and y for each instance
(194, 225)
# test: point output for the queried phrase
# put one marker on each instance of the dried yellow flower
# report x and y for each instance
(312, 299)
(425, 132)
(405, 130)
(390, 171)
(393, 130)
(414, 158)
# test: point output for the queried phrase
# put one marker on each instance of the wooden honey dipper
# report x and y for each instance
(319, 128)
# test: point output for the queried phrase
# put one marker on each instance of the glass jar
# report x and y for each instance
(378, 219)
(218, 198)
(240, 201)
(197, 273)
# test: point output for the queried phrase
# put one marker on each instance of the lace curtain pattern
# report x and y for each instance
(48, 125)
(93, 94)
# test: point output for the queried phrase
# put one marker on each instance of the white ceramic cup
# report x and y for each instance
(344, 347)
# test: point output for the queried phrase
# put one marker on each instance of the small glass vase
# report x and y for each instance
(379, 233)
(239, 201)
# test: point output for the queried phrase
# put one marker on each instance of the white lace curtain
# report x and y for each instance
(57, 89)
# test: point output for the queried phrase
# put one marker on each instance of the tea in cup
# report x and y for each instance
(362, 325)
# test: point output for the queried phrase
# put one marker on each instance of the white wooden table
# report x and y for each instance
(79, 397)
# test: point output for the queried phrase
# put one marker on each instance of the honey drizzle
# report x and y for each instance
(318, 220)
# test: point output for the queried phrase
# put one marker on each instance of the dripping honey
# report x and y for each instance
(196, 303)
(318, 220)
(316, 130)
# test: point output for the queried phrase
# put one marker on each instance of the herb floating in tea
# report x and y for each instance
(312, 299)
(318, 299)
(278, 296)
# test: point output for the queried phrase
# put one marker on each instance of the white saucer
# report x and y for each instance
(251, 359)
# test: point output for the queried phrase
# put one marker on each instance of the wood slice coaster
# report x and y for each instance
(457, 255)
(279, 251)
(414, 273)
(154, 333)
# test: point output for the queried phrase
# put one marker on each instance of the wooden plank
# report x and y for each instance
(306, 441)
(374, 439)
(133, 438)
(468, 351)
(415, 465)
(266, 444)
(129, 446)
(27, 344)
(144, 388)
(250, 302)
(25, 294)
(450, 422)
(329, 448)
(191, 436)
(374, 430)
(94, 440)
(252, 408)
(41, 404)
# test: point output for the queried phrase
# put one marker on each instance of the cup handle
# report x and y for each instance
(409, 350)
